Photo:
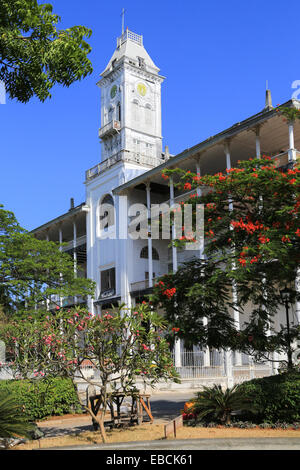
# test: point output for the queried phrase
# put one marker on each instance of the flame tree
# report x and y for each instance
(252, 238)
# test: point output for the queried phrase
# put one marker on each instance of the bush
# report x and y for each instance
(277, 397)
(44, 397)
(216, 403)
(13, 421)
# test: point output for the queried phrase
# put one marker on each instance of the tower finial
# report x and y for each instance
(123, 15)
(268, 104)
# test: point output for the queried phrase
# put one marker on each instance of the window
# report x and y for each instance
(137, 145)
(110, 114)
(119, 112)
(148, 115)
(141, 62)
(149, 148)
(135, 110)
(107, 212)
(147, 275)
(144, 253)
(108, 279)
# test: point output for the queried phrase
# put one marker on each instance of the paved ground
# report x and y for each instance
(165, 406)
(198, 444)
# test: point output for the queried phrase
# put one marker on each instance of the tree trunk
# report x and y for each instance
(100, 421)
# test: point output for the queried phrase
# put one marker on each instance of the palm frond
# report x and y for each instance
(13, 421)
(218, 403)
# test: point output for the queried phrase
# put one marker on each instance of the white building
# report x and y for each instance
(130, 172)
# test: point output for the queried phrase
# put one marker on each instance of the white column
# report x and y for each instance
(291, 151)
(150, 261)
(174, 249)
(206, 358)
(75, 253)
(47, 300)
(60, 249)
(236, 316)
(124, 246)
(228, 157)
(297, 287)
(177, 346)
(228, 367)
(74, 247)
(275, 364)
(257, 141)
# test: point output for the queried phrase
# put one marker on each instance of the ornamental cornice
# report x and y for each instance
(144, 73)
(111, 77)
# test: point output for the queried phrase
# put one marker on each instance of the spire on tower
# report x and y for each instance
(268, 104)
(123, 16)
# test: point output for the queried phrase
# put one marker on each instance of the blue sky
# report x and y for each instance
(216, 57)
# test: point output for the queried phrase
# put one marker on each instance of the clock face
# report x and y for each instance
(141, 89)
(113, 91)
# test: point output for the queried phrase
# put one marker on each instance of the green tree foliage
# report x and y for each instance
(252, 240)
(13, 420)
(277, 397)
(124, 345)
(44, 397)
(34, 54)
(32, 270)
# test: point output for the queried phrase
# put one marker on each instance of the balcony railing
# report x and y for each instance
(125, 156)
(283, 159)
(80, 241)
(67, 301)
(109, 129)
(130, 35)
(141, 285)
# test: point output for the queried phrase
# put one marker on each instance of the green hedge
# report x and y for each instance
(277, 396)
(45, 398)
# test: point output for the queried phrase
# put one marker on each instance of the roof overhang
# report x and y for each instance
(249, 123)
(62, 218)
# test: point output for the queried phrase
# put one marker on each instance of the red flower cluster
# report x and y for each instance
(187, 186)
(250, 227)
(170, 292)
(263, 239)
(220, 176)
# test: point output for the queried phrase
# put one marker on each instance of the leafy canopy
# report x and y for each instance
(32, 270)
(34, 54)
(124, 345)
(252, 240)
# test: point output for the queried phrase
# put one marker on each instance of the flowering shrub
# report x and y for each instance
(252, 242)
(124, 345)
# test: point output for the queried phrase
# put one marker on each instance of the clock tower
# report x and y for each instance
(131, 105)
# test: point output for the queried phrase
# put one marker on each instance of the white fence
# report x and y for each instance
(194, 365)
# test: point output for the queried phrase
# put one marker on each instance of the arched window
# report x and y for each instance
(144, 253)
(135, 110)
(107, 212)
(110, 114)
(119, 112)
(148, 115)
